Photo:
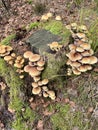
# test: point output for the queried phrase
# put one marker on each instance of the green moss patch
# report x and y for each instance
(17, 101)
(65, 119)
(7, 40)
(57, 28)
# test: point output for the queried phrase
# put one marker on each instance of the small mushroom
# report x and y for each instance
(34, 84)
(85, 46)
(40, 68)
(79, 49)
(93, 60)
(27, 68)
(34, 72)
(36, 78)
(45, 88)
(27, 54)
(49, 15)
(76, 71)
(41, 63)
(7, 58)
(34, 58)
(51, 94)
(45, 94)
(45, 81)
(44, 17)
(36, 91)
(58, 18)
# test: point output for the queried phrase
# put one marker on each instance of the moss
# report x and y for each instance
(53, 66)
(7, 40)
(64, 119)
(16, 99)
(57, 28)
(33, 25)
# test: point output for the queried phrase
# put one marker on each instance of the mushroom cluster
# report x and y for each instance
(46, 17)
(80, 56)
(17, 61)
(5, 50)
(34, 69)
(55, 46)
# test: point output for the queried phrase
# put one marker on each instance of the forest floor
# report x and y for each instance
(76, 104)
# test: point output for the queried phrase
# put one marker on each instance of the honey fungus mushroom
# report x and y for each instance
(55, 46)
(81, 56)
(5, 50)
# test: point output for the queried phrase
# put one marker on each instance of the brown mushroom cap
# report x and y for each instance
(41, 63)
(18, 65)
(78, 43)
(51, 94)
(27, 54)
(75, 64)
(72, 47)
(11, 62)
(21, 76)
(34, 72)
(45, 94)
(22, 61)
(34, 58)
(76, 71)
(85, 60)
(83, 68)
(49, 15)
(93, 60)
(7, 58)
(80, 35)
(19, 58)
(45, 88)
(45, 81)
(79, 49)
(36, 90)
(69, 62)
(44, 17)
(85, 46)
(40, 83)
(9, 48)
(2, 50)
(13, 55)
(74, 56)
(34, 85)
(58, 18)
(36, 79)
(40, 68)
(27, 68)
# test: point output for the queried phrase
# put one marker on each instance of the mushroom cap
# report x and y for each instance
(11, 62)
(85, 60)
(18, 65)
(83, 27)
(41, 63)
(44, 17)
(72, 47)
(87, 53)
(36, 78)
(79, 49)
(93, 60)
(51, 93)
(45, 94)
(75, 64)
(74, 56)
(82, 68)
(40, 83)
(58, 18)
(27, 54)
(73, 24)
(53, 45)
(27, 68)
(40, 68)
(7, 58)
(34, 72)
(49, 15)
(9, 48)
(19, 58)
(45, 81)
(80, 35)
(36, 90)
(45, 88)
(13, 55)
(85, 46)
(34, 85)
(34, 58)
(22, 61)
(78, 43)
(21, 76)
(76, 71)
(2, 50)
